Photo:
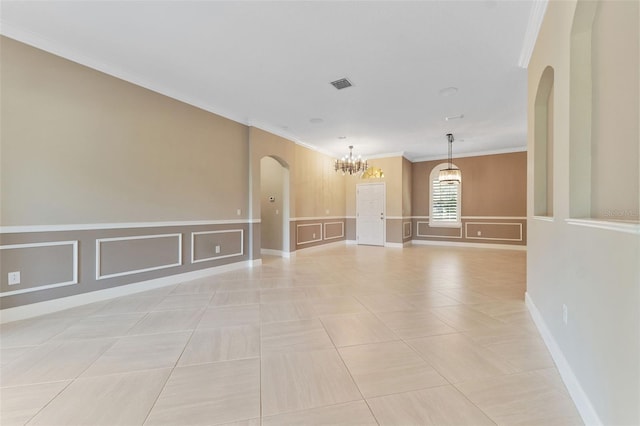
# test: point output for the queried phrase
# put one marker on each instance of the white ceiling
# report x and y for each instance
(269, 64)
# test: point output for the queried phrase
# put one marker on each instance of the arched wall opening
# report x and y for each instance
(543, 146)
(274, 206)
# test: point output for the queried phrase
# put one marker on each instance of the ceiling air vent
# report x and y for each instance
(343, 83)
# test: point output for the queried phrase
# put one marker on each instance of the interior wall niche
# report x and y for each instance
(605, 137)
(615, 138)
(543, 146)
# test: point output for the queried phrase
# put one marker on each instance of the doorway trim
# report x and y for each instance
(286, 206)
(384, 211)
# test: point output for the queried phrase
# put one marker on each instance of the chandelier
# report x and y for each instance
(351, 165)
(450, 174)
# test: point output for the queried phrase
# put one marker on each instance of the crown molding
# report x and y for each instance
(474, 154)
(288, 136)
(538, 9)
(39, 42)
(389, 155)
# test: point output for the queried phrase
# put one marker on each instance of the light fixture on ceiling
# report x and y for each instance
(450, 174)
(373, 173)
(448, 91)
(350, 164)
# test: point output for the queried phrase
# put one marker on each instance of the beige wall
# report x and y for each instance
(407, 187)
(319, 190)
(593, 270)
(492, 185)
(92, 152)
(79, 146)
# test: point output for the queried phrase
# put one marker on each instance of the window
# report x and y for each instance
(444, 201)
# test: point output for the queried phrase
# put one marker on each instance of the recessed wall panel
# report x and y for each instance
(129, 255)
(211, 245)
(406, 230)
(333, 230)
(424, 230)
(493, 231)
(41, 266)
(308, 233)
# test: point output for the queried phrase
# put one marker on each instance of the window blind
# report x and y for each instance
(445, 202)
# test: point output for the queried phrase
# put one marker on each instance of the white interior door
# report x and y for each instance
(370, 214)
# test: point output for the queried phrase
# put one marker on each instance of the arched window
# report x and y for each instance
(444, 200)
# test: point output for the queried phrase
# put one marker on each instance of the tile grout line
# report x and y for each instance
(175, 364)
(451, 384)
(49, 402)
(349, 371)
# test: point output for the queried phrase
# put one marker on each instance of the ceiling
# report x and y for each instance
(269, 64)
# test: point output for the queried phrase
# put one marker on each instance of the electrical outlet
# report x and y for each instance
(14, 278)
(277, 211)
(217, 249)
(238, 212)
(479, 233)
(327, 211)
(565, 314)
(314, 235)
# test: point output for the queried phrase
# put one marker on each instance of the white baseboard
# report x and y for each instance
(279, 253)
(49, 306)
(271, 252)
(397, 245)
(580, 398)
(392, 245)
(319, 247)
(473, 245)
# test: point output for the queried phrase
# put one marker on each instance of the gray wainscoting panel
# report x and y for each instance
(317, 231)
(333, 230)
(488, 230)
(129, 255)
(424, 230)
(41, 265)
(407, 231)
(493, 231)
(119, 256)
(308, 233)
(212, 245)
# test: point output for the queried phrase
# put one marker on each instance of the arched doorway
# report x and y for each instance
(274, 206)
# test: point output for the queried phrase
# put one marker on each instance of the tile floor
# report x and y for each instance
(336, 335)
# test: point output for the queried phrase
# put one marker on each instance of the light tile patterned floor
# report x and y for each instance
(335, 335)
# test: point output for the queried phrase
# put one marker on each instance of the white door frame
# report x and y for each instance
(384, 211)
(286, 239)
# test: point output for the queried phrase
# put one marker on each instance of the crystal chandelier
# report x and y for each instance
(351, 165)
(450, 174)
